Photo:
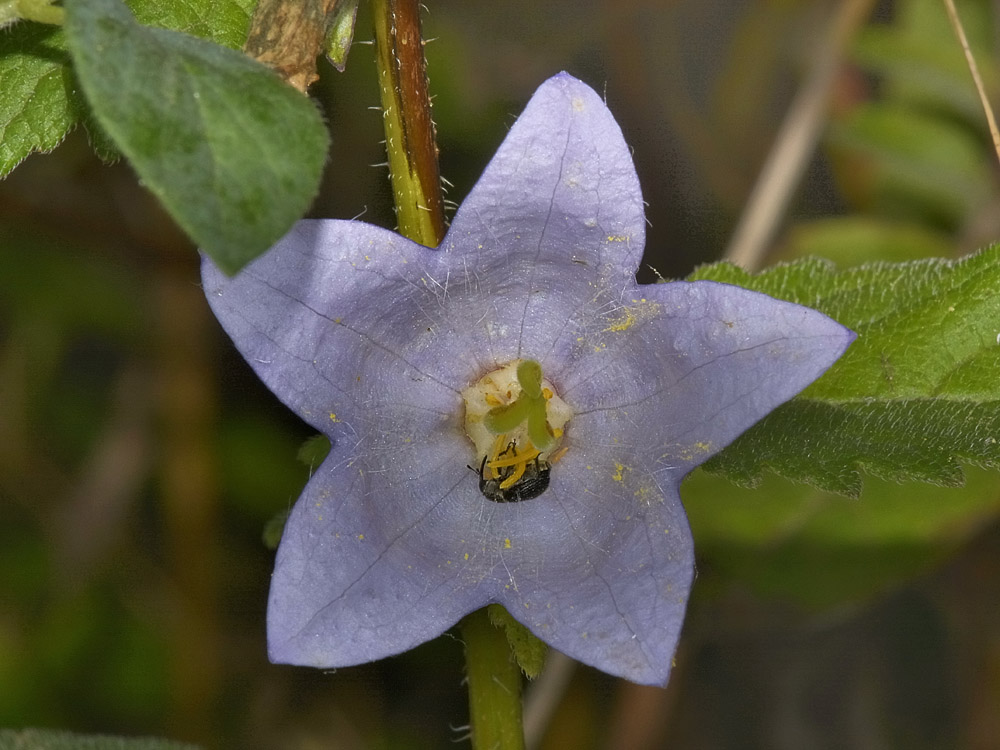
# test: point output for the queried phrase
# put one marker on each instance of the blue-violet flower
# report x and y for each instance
(510, 414)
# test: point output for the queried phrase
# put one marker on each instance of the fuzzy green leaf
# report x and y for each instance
(914, 395)
(527, 649)
(224, 22)
(37, 102)
(818, 549)
(234, 154)
(39, 99)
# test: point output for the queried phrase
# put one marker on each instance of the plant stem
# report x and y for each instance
(494, 676)
(409, 131)
(956, 25)
(494, 685)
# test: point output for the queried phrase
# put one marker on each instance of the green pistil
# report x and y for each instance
(529, 407)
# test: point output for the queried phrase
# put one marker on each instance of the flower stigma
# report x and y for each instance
(516, 422)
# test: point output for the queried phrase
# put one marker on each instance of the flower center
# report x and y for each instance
(516, 421)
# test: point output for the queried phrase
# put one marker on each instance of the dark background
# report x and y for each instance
(140, 459)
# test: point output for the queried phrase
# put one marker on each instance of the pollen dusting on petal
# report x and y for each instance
(648, 493)
(640, 311)
(693, 451)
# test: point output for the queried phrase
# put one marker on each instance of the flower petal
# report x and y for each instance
(606, 580)
(371, 338)
(561, 187)
(684, 369)
(560, 194)
(358, 575)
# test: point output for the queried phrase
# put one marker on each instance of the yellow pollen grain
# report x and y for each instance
(642, 311)
(361, 537)
(619, 474)
(622, 324)
(507, 544)
(333, 417)
(466, 555)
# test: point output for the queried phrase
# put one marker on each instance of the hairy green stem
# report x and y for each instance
(494, 685)
(493, 674)
(409, 131)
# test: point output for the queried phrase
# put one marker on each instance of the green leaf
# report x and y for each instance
(338, 41)
(920, 166)
(527, 649)
(818, 549)
(234, 154)
(915, 394)
(44, 739)
(922, 65)
(39, 101)
(224, 22)
(274, 528)
(313, 451)
(853, 239)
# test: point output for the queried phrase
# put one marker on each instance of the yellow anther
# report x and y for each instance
(498, 444)
(514, 459)
(514, 477)
(505, 456)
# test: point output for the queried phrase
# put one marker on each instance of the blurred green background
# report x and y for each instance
(140, 459)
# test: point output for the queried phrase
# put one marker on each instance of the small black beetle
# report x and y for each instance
(532, 484)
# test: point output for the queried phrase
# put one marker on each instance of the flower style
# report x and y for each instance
(510, 415)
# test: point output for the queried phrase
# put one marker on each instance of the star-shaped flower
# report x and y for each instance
(511, 414)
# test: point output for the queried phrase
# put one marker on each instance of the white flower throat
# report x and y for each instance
(516, 421)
